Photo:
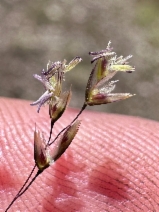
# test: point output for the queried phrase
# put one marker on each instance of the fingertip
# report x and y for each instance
(112, 164)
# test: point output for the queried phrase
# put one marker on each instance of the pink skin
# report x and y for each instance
(111, 165)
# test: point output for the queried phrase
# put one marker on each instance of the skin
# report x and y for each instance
(111, 165)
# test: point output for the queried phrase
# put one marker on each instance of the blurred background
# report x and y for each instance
(33, 32)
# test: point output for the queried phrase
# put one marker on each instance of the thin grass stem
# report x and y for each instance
(82, 109)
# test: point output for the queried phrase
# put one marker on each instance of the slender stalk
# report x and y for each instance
(82, 109)
(21, 188)
(52, 125)
(37, 174)
(27, 180)
(22, 192)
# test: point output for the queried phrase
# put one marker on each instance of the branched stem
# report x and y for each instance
(37, 174)
(82, 109)
(27, 180)
(20, 191)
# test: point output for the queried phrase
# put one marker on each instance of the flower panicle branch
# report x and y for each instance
(98, 91)
(44, 157)
(42, 153)
(65, 140)
(52, 80)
